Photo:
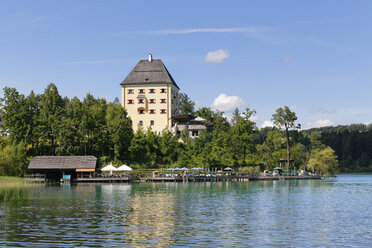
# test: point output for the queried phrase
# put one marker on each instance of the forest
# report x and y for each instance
(352, 145)
(49, 124)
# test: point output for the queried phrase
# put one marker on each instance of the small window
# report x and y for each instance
(130, 101)
(152, 123)
(141, 111)
(163, 100)
(163, 90)
(141, 123)
(151, 90)
(163, 111)
(130, 91)
(152, 111)
(140, 101)
(152, 101)
(141, 91)
(178, 132)
(195, 133)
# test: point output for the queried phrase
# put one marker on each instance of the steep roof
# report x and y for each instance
(63, 162)
(149, 72)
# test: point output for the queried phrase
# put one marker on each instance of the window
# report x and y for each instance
(163, 90)
(151, 90)
(130, 101)
(140, 101)
(141, 111)
(163, 100)
(163, 111)
(152, 123)
(141, 91)
(195, 133)
(130, 91)
(152, 100)
(178, 132)
(140, 123)
(152, 111)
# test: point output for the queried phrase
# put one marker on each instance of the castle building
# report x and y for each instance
(150, 95)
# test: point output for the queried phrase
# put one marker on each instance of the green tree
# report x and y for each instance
(71, 137)
(285, 118)
(315, 141)
(169, 147)
(120, 132)
(50, 118)
(33, 111)
(241, 133)
(185, 105)
(15, 110)
(13, 160)
(216, 118)
(138, 148)
(93, 126)
(324, 161)
(273, 149)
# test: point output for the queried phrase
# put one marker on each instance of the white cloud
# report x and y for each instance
(211, 30)
(318, 123)
(217, 56)
(288, 60)
(267, 124)
(227, 103)
(254, 118)
(246, 30)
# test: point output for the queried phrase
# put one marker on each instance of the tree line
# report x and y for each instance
(49, 124)
(352, 145)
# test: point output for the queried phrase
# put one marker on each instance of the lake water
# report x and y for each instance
(319, 213)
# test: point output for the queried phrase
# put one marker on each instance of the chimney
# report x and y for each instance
(150, 57)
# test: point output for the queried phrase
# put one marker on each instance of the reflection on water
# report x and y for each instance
(280, 213)
(12, 196)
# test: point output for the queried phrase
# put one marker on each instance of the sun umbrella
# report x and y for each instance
(228, 169)
(109, 168)
(124, 168)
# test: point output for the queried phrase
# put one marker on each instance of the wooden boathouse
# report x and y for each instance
(55, 167)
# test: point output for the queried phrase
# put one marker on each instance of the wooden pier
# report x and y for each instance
(191, 179)
(226, 178)
(104, 180)
(185, 178)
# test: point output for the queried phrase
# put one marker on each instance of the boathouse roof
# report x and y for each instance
(63, 162)
(151, 71)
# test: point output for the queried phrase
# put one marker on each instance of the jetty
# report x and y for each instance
(222, 178)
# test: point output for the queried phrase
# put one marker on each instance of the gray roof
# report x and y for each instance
(149, 72)
(63, 162)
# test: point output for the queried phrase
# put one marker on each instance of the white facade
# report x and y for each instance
(150, 105)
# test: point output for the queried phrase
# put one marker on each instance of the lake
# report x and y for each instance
(318, 213)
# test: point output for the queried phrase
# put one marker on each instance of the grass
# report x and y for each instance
(14, 181)
(4, 179)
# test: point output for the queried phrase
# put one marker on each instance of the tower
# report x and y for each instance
(150, 95)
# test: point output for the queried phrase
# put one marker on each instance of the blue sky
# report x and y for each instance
(314, 56)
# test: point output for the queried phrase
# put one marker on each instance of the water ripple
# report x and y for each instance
(332, 213)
